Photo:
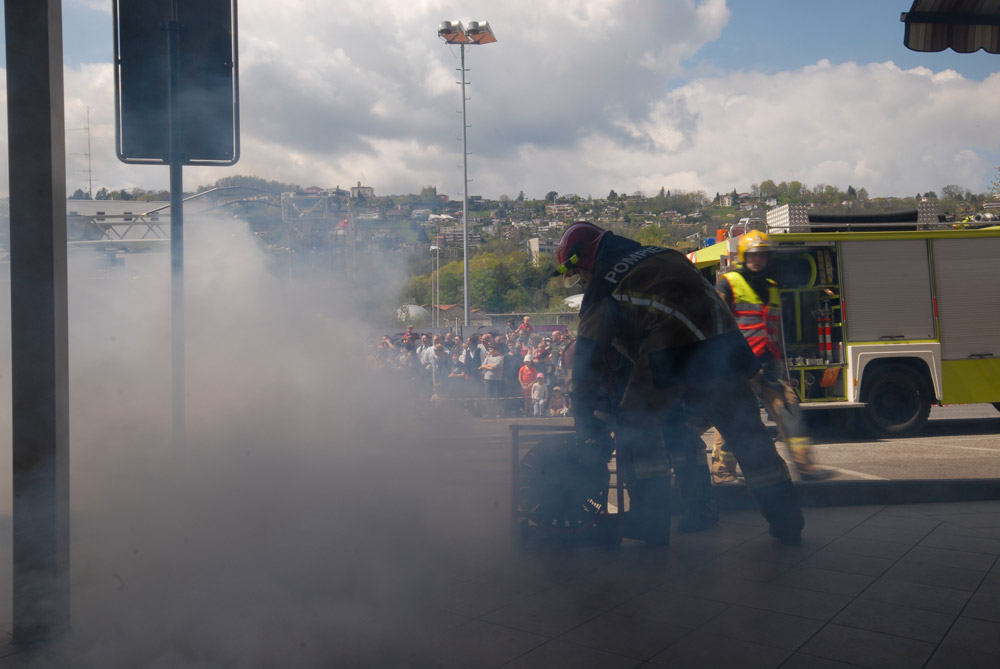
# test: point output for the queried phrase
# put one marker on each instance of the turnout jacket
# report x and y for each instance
(759, 320)
(654, 307)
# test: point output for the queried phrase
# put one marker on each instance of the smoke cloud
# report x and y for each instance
(309, 515)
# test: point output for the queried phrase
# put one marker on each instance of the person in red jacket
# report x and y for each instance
(525, 326)
(526, 376)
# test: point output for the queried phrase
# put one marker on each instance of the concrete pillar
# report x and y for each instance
(39, 339)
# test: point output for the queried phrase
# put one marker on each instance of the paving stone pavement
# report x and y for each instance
(855, 593)
(873, 586)
(914, 585)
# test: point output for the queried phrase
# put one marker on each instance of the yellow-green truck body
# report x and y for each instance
(889, 321)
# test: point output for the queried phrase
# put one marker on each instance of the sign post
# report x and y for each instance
(176, 104)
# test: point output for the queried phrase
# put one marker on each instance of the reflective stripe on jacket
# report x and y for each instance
(760, 323)
(660, 307)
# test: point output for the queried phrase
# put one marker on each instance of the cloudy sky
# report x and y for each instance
(577, 96)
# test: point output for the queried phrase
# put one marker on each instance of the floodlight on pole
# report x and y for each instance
(476, 32)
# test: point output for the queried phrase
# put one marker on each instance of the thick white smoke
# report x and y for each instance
(308, 514)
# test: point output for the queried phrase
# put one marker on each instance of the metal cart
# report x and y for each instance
(553, 500)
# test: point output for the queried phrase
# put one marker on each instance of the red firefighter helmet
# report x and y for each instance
(578, 247)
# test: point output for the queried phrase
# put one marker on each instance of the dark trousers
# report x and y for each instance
(494, 390)
(728, 403)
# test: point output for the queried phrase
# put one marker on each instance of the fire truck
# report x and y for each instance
(883, 313)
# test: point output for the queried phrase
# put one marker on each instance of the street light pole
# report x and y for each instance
(465, 197)
(436, 287)
(475, 33)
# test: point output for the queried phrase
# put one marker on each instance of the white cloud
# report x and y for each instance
(573, 97)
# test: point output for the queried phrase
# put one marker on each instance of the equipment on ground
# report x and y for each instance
(556, 498)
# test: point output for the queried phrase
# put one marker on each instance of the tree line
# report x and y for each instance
(501, 282)
(502, 276)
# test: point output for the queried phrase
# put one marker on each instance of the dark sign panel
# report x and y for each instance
(207, 100)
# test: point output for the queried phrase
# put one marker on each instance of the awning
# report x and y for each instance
(964, 26)
(709, 255)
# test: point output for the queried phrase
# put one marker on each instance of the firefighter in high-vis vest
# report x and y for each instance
(756, 303)
(688, 359)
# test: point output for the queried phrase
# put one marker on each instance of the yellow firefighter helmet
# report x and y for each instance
(754, 241)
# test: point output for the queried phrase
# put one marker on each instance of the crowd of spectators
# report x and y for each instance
(517, 372)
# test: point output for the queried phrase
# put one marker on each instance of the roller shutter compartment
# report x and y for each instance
(887, 290)
(967, 278)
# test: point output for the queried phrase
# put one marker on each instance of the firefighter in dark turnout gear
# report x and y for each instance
(756, 304)
(688, 359)
(686, 456)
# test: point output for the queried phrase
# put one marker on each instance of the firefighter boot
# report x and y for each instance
(694, 484)
(801, 451)
(786, 537)
(648, 518)
(787, 528)
(698, 516)
(779, 502)
(723, 467)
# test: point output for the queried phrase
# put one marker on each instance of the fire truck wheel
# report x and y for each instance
(898, 401)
